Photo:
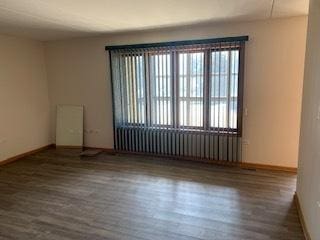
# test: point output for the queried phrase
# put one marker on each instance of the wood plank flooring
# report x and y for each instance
(56, 194)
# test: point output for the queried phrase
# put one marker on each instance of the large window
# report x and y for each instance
(186, 88)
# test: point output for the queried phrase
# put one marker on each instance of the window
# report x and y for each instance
(187, 88)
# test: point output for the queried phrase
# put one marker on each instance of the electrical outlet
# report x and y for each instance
(245, 142)
(318, 203)
(246, 112)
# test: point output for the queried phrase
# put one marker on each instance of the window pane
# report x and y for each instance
(196, 113)
(160, 82)
(233, 113)
(234, 72)
(220, 74)
(191, 78)
(135, 83)
(183, 112)
(218, 113)
(224, 89)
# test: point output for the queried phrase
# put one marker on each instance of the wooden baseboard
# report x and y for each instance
(66, 146)
(267, 167)
(301, 217)
(17, 157)
(243, 165)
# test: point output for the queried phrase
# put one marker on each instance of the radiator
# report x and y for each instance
(194, 144)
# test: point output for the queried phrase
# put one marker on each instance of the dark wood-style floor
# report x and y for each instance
(57, 195)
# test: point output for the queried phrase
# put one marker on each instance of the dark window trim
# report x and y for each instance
(179, 43)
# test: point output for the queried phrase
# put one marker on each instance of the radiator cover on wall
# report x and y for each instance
(189, 144)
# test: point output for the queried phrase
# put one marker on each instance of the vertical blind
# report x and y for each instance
(179, 98)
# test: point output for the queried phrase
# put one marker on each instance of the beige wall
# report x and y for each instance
(78, 74)
(24, 119)
(308, 188)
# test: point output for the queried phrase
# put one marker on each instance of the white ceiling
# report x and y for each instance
(59, 19)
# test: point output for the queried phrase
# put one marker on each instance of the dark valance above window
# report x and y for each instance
(170, 97)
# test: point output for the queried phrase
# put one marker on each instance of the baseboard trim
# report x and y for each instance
(301, 217)
(22, 155)
(244, 165)
(268, 167)
(67, 146)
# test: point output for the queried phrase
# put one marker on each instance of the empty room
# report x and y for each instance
(160, 120)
